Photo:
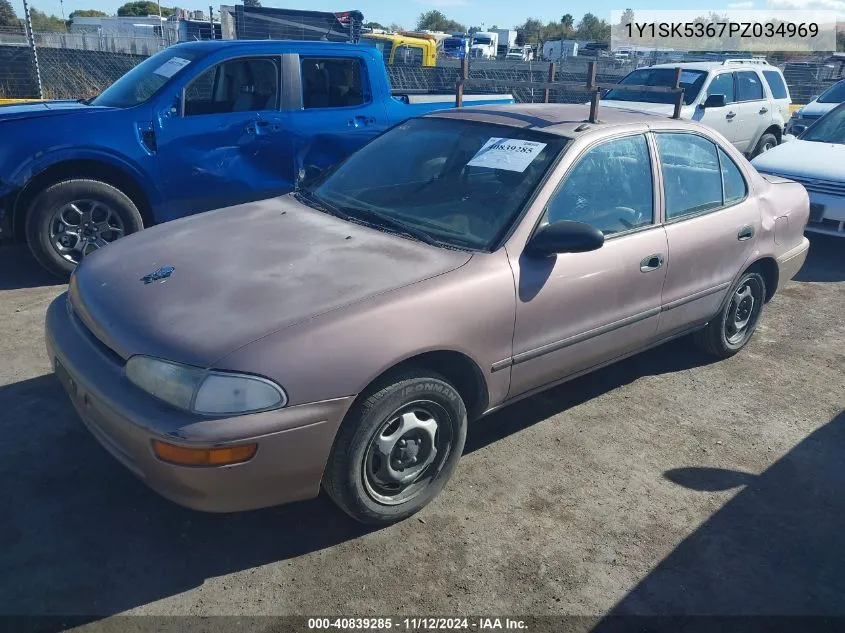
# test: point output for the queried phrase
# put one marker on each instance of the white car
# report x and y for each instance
(806, 115)
(816, 159)
(746, 100)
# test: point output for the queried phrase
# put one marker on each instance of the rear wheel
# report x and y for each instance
(766, 142)
(728, 333)
(397, 448)
(73, 218)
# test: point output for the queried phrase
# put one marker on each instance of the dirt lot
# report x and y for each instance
(666, 484)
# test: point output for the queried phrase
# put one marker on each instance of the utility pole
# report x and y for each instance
(31, 38)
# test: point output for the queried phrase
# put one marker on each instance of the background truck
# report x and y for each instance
(198, 126)
(507, 41)
(559, 49)
(456, 46)
(399, 48)
(485, 45)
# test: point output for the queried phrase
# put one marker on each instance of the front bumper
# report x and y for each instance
(791, 262)
(293, 443)
(831, 218)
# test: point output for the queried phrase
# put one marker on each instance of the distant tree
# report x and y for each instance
(840, 41)
(252, 3)
(592, 28)
(7, 14)
(531, 31)
(143, 8)
(567, 22)
(495, 27)
(88, 13)
(373, 25)
(473, 29)
(395, 28)
(44, 23)
(627, 16)
(434, 20)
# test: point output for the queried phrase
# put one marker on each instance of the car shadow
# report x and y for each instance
(19, 269)
(677, 355)
(825, 261)
(83, 537)
(777, 548)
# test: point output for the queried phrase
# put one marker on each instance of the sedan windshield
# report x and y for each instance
(143, 81)
(834, 94)
(828, 129)
(451, 182)
(691, 82)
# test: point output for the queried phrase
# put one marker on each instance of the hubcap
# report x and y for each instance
(742, 311)
(81, 227)
(406, 452)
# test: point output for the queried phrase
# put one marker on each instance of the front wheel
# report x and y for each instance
(767, 141)
(395, 450)
(729, 332)
(73, 218)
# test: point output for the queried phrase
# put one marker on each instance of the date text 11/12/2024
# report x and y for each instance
(416, 624)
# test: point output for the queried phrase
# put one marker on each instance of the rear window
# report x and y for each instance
(776, 84)
(691, 81)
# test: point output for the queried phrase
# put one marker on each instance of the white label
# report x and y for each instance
(171, 66)
(507, 153)
(688, 77)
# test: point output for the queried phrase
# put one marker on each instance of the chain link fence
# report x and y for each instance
(81, 65)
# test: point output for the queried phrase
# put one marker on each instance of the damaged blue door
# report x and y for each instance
(225, 144)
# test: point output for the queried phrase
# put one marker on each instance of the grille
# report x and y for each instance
(821, 186)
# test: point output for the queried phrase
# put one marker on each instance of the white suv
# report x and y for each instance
(746, 100)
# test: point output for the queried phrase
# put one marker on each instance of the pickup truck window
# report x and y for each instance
(408, 55)
(143, 81)
(462, 183)
(240, 85)
(331, 82)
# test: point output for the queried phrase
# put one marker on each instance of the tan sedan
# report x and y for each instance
(342, 336)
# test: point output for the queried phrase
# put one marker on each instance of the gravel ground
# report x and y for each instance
(667, 484)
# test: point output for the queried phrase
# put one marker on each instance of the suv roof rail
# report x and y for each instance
(754, 60)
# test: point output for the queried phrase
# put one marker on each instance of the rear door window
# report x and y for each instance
(748, 86)
(333, 82)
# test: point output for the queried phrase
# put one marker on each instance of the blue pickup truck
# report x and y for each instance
(200, 125)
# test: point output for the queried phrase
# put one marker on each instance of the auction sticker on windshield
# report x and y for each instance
(507, 153)
(172, 66)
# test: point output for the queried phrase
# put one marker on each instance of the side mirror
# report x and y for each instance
(797, 129)
(814, 97)
(564, 237)
(714, 101)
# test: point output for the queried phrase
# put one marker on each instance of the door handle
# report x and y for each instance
(652, 262)
(730, 115)
(745, 233)
(362, 120)
(763, 110)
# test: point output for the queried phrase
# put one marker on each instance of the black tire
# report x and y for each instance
(41, 215)
(766, 142)
(349, 479)
(721, 337)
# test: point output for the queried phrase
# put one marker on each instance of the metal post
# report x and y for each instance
(596, 93)
(211, 19)
(552, 73)
(31, 38)
(459, 91)
(679, 96)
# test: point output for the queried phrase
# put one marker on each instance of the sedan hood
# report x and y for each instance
(804, 159)
(816, 109)
(42, 109)
(237, 275)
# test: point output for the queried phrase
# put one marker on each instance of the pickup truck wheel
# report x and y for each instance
(73, 218)
(766, 142)
(728, 333)
(397, 448)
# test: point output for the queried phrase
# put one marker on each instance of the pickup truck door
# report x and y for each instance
(337, 111)
(224, 145)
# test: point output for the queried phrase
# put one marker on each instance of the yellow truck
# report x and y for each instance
(397, 48)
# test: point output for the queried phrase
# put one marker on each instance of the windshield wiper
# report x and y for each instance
(309, 198)
(375, 217)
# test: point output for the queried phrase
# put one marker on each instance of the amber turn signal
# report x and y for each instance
(184, 456)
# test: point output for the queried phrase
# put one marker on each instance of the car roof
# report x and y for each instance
(568, 120)
(707, 66)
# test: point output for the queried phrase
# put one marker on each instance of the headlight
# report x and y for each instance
(204, 391)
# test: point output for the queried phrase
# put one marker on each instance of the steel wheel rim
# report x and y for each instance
(80, 227)
(767, 147)
(743, 311)
(406, 452)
